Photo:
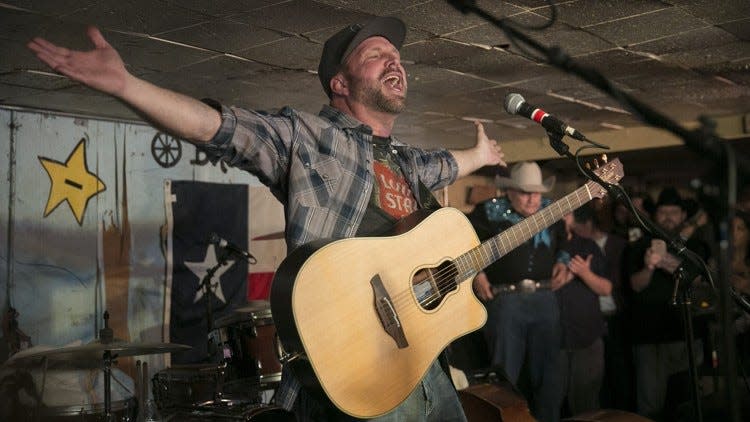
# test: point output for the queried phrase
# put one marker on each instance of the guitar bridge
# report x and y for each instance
(387, 313)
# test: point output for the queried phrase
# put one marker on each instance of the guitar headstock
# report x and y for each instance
(610, 172)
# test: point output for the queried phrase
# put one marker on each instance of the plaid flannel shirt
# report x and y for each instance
(321, 169)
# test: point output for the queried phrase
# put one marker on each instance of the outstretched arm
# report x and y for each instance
(486, 152)
(103, 69)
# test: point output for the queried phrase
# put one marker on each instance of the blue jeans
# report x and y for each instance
(527, 325)
(433, 400)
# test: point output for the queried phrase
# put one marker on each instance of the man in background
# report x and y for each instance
(524, 324)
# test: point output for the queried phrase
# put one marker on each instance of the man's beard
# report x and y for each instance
(671, 227)
(371, 95)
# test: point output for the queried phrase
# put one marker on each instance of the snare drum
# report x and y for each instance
(248, 342)
(186, 386)
(121, 410)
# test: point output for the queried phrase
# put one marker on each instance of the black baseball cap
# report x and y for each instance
(337, 48)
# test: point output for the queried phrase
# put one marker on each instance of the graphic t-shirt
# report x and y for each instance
(391, 191)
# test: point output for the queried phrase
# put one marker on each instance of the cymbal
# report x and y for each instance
(95, 351)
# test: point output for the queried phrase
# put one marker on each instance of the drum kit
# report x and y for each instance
(239, 386)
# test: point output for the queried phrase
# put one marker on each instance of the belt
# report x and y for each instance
(523, 286)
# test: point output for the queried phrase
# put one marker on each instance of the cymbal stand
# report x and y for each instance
(138, 390)
(108, 359)
(39, 403)
(106, 335)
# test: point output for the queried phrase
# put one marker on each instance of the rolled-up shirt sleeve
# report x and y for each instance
(437, 168)
(255, 141)
(228, 124)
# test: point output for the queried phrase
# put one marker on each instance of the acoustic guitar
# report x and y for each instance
(362, 319)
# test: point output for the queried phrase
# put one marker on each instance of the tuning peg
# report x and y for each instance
(604, 158)
(596, 163)
(588, 166)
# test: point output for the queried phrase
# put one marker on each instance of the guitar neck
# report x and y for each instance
(496, 247)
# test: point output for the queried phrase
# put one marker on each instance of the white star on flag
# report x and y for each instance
(200, 269)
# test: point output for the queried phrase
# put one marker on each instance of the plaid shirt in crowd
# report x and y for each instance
(321, 169)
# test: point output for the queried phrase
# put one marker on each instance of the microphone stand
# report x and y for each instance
(205, 284)
(682, 287)
(701, 140)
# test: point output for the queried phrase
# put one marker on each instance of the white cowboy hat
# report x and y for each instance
(526, 176)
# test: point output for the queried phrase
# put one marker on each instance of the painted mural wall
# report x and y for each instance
(82, 224)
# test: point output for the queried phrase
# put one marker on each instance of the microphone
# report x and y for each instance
(516, 104)
(231, 247)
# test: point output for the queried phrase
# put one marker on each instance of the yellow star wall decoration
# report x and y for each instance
(72, 182)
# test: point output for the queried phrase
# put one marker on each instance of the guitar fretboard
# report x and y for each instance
(496, 247)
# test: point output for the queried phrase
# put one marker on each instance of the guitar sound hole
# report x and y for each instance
(430, 285)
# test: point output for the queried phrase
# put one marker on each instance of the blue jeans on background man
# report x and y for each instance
(527, 326)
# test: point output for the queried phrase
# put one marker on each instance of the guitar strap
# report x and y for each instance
(426, 199)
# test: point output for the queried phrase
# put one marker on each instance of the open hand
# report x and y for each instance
(491, 151)
(100, 68)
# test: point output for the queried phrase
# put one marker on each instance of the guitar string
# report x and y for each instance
(444, 278)
(490, 251)
(481, 256)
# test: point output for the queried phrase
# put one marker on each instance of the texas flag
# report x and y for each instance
(199, 210)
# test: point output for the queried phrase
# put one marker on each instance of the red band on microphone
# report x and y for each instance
(538, 115)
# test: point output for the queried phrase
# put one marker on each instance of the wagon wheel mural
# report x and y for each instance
(166, 150)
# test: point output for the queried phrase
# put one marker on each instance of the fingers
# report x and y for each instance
(486, 293)
(480, 128)
(59, 66)
(578, 261)
(48, 59)
(482, 287)
(54, 61)
(502, 156)
(497, 150)
(49, 53)
(96, 37)
(481, 135)
(491, 150)
(558, 281)
(41, 45)
(578, 265)
(651, 259)
(38, 44)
